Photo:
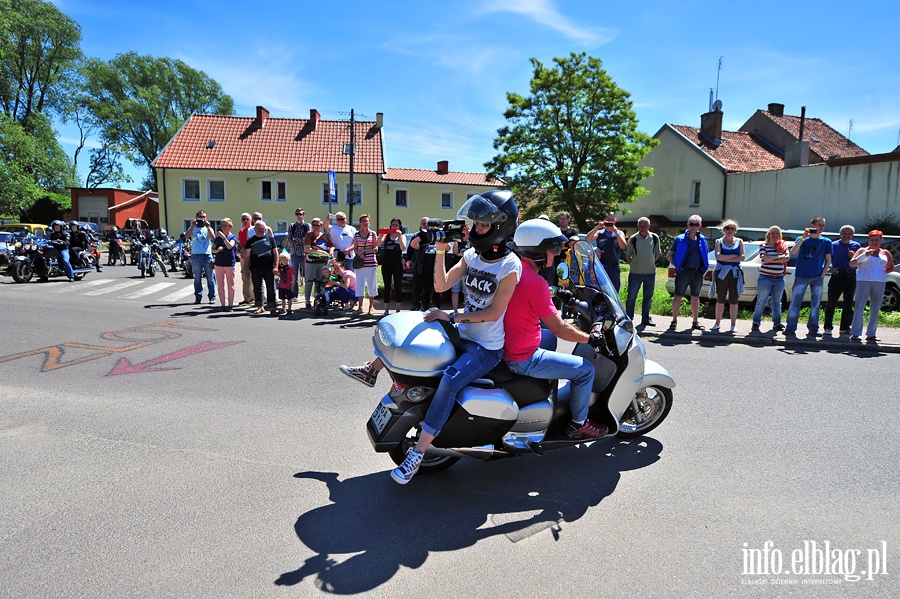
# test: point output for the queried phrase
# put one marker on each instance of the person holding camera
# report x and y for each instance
(393, 243)
(813, 254)
(423, 262)
(873, 264)
(610, 243)
(365, 245)
(202, 236)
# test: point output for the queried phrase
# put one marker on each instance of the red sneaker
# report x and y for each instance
(588, 430)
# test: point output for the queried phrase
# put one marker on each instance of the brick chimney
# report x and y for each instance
(261, 115)
(314, 117)
(379, 120)
(711, 126)
(443, 167)
(776, 109)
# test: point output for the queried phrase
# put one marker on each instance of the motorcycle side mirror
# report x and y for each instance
(562, 272)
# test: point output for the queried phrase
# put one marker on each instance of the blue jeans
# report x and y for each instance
(554, 365)
(67, 266)
(297, 263)
(635, 281)
(815, 285)
(873, 292)
(474, 361)
(768, 287)
(614, 273)
(202, 268)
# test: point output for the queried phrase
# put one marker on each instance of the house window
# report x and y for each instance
(326, 197)
(357, 195)
(190, 190)
(447, 200)
(215, 190)
(281, 190)
(401, 198)
(695, 193)
(265, 190)
(281, 226)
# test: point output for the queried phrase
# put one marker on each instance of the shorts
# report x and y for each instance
(726, 289)
(689, 277)
(285, 293)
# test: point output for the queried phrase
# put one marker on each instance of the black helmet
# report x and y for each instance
(73, 223)
(534, 237)
(57, 222)
(498, 208)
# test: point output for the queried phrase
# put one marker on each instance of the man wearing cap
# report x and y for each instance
(296, 233)
(342, 235)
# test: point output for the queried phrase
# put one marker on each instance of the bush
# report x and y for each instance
(886, 223)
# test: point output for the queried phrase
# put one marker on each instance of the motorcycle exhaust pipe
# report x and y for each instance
(484, 452)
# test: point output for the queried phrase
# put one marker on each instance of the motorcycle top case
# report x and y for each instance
(409, 345)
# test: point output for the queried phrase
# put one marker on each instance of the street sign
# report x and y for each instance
(332, 186)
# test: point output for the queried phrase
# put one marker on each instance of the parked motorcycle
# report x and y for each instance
(505, 415)
(150, 259)
(42, 258)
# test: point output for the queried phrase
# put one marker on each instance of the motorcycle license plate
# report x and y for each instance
(380, 418)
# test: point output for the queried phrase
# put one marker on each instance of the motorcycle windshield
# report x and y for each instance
(586, 269)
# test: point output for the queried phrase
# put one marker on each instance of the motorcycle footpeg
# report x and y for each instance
(537, 448)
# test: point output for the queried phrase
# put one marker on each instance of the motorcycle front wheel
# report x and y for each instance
(143, 270)
(430, 464)
(78, 276)
(22, 272)
(653, 405)
(161, 266)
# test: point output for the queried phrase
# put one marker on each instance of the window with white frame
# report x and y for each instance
(447, 200)
(281, 226)
(190, 190)
(281, 191)
(357, 195)
(215, 190)
(401, 198)
(326, 197)
(695, 193)
(265, 190)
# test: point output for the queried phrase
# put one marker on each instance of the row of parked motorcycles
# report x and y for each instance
(151, 253)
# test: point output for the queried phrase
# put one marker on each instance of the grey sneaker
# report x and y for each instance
(364, 374)
(403, 473)
(828, 332)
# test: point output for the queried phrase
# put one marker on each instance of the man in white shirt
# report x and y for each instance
(342, 235)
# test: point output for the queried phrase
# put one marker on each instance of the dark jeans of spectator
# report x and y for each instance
(841, 282)
(259, 275)
(392, 274)
(635, 282)
(614, 273)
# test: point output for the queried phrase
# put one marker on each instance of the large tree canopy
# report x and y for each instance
(142, 101)
(573, 144)
(38, 48)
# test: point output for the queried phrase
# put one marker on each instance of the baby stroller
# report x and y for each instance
(338, 296)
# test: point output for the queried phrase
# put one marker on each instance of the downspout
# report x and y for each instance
(377, 202)
(165, 199)
(724, 194)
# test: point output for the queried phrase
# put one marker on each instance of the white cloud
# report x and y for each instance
(545, 13)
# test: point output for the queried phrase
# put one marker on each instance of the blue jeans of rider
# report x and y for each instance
(67, 266)
(202, 268)
(554, 365)
(768, 287)
(815, 285)
(473, 362)
(635, 282)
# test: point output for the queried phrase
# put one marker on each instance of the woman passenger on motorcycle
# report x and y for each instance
(490, 273)
(59, 237)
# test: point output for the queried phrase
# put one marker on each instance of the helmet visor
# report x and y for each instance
(479, 210)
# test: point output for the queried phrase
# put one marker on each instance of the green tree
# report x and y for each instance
(142, 101)
(573, 144)
(39, 46)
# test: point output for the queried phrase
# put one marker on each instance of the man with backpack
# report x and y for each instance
(641, 252)
(296, 233)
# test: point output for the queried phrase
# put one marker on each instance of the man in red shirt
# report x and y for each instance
(247, 286)
(537, 241)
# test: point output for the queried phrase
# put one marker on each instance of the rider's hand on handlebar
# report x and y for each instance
(596, 340)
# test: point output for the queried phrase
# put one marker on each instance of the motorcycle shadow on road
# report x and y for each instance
(373, 526)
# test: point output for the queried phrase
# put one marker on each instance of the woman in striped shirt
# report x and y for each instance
(873, 264)
(770, 285)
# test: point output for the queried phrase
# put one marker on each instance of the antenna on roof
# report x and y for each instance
(850, 130)
(718, 72)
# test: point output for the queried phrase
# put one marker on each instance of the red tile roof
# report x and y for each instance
(415, 175)
(830, 144)
(294, 145)
(739, 152)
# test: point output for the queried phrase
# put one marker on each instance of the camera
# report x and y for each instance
(812, 230)
(609, 224)
(202, 223)
(447, 231)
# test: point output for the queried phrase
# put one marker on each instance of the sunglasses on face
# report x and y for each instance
(731, 228)
(299, 214)
(245, 219)
(340, 220)
(694, 224)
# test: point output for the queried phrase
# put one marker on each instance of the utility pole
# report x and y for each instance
(352, 154)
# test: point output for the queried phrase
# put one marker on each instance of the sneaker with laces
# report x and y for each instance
(754, 328)
(364, 374)
(403, 473)
(778, 328)
(828, 332)
(588, 430)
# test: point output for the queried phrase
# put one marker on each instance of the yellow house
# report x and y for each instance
(227, 165)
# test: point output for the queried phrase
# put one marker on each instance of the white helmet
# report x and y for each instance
(534, 237)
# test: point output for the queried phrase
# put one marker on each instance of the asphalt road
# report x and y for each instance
(153, 448)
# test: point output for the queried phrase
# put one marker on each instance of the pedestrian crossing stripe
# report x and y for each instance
(148, 290)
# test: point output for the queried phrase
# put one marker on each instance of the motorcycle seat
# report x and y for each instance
(525, 390)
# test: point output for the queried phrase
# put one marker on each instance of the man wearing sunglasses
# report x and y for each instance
(610, 244)
(342, 235)
(689, 256)
(813, 254)
(246, 281)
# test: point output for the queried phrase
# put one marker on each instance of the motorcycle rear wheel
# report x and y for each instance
(654, 403)
(429, 464)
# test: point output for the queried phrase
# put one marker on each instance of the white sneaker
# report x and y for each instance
(715, 327)
(732, 328)
(403, 473)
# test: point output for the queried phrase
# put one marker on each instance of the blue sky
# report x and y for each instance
(440, 70)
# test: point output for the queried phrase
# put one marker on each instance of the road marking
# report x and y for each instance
(147, 290)
(178, 295)
(81, 285)
(117, 287)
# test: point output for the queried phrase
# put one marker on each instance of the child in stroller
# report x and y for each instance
(336, 291)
